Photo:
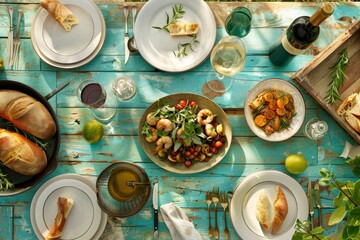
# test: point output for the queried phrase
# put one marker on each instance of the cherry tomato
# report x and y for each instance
(193, 104)
(214, 150)
(179, 107)
(187, 154)
(183, 102)
(187, 163)
(192, 149)
(218, 144)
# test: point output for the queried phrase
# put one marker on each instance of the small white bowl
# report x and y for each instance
(297, 120)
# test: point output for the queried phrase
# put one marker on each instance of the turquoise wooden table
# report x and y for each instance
(247, 154)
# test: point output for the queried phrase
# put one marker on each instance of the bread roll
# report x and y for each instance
(20, 154)
(64, 206)
(27, 114)
(280, 210)
(179, 29)
(262, 211)
(349, 110)
(61, 13)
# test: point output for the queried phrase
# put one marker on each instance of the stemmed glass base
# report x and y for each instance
(219, 86)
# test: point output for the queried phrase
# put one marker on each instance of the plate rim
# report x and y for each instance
(177, 168)
(156, 5)
(291, 184)
(67, 176)
(250, 120)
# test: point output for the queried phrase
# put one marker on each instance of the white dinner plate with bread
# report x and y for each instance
(159, 47)
(63, 45)
(84, 219)
(266, 205)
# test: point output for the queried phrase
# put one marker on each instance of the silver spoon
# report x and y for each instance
(131, 43)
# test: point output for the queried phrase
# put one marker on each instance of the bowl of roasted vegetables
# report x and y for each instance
(274, 110)
(185, 133)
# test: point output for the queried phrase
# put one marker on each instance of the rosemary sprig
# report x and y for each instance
(177, 13)
(183, 47)
(338, 77)
(5, 183)
(9, 126)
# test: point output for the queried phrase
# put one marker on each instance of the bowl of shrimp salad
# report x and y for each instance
(185, 133)
(274, 110)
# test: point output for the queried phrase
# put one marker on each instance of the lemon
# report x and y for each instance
(295, 163)
(93, 131)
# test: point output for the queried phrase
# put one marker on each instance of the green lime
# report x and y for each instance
(295, 163)
(93, 131)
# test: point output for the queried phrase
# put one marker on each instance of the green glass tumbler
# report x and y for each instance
(238, 23)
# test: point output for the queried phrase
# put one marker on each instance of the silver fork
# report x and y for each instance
(17, 40)
(224, 203)
(215, 199)
(208, 202)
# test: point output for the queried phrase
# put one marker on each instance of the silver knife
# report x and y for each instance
(10, 37)
(156, 206)
(311, 206)
(126, 38)
(317, 201)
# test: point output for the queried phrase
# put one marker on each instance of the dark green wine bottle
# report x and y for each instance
(301, 33)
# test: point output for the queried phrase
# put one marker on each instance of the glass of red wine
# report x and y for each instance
(94, 96)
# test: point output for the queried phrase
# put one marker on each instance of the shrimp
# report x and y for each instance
(205, 116)
(163, 142)
(165, 124)
(153, 137)
(210, 130)
(150, 119)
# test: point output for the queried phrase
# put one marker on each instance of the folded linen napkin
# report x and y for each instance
(178, 223)
(350, 151)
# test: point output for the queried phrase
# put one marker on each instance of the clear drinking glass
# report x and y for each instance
(124, 88)
(94, 96)
(227, 58)
(315, 129)
(238, 23)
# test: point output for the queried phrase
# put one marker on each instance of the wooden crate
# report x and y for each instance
(315, 76)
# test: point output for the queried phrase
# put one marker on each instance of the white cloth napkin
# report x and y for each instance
(178, 223)
(350, 151)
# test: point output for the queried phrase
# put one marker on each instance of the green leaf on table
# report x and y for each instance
(337, 216)
(338, 201)
(317, 230)
(356, 195)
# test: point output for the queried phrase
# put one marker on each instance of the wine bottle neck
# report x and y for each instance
(321, 14)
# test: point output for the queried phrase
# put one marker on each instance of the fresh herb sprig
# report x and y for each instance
(346, 204)
(5, 183)
(302, 231)
(355, 165)
(183, 47)
(9, 126)
(177, 13)
(338, 77)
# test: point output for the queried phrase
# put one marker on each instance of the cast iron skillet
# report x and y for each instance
(22, 182)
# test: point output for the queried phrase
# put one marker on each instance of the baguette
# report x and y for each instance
(61, 13)
(27, 114)
(181, 29)
(20, 154)
(64, 206)
(280, 210)
(262, 211)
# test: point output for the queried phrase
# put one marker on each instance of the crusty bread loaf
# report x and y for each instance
(61, 13)
(20, 154)
(27, 114)
(280, 210)
(64, 205)
(349, 110)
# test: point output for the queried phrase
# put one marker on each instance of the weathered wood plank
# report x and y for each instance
(6, 222)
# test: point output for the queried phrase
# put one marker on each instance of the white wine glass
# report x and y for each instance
(227, 58)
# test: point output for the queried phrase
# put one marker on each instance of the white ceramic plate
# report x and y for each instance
(246, 195)
(157, 46)
(296, 122)
(86, 220)
(69, 49)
